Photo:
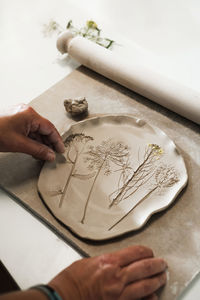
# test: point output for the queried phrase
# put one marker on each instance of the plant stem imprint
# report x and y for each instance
(100, 158)
(75, 144)
(165, 177)
(140, 176)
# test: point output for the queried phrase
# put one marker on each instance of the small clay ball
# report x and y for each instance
(76, 107)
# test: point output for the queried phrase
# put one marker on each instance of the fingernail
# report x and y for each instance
(62, 148)
(163, 278)
(50, 156)
(164, 264)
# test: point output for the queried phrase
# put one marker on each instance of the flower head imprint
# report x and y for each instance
(105, 153)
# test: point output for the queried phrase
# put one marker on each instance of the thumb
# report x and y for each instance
(36, 149)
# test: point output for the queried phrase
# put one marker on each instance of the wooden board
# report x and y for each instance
(174, 233)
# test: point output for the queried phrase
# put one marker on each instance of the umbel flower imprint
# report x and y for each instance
(75, 145)
(100, 159)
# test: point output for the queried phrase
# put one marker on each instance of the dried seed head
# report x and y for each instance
(166, 176)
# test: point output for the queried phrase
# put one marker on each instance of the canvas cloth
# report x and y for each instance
(174, 234)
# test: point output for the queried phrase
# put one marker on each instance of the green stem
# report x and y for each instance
(140, 201)
(110, 44)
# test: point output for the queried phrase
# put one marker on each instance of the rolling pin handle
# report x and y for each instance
(63, 41)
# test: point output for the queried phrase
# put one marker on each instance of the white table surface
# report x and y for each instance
(163, 35)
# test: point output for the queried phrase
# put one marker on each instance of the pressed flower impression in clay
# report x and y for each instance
(115, 173)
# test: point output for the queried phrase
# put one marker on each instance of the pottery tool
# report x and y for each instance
(142, 80)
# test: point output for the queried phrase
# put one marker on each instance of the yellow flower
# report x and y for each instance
(154, 146)
(91, 24)
(160, 151)
(157, 150)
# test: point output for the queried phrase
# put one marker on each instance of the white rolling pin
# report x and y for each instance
(166, 92)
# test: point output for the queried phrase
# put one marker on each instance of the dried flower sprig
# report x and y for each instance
(91, 32)
(51, 27)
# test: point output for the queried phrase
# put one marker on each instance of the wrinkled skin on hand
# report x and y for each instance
(22, 129)
(131, 273)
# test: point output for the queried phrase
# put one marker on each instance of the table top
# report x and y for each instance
(30, 64)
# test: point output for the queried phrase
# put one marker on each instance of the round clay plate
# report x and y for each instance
(115, 173)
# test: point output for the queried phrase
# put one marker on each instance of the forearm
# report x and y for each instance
(31, 294)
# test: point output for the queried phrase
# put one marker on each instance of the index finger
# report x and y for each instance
(129, 255)
(51, 134)
(55, 139)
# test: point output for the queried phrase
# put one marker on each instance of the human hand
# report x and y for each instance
(128, 274)
(22, 129)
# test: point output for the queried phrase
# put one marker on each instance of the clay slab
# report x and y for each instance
(116, 172)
